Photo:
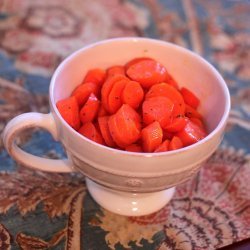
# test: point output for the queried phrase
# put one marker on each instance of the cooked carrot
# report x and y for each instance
(167, 135)
(191, 133)
(96, 76)
(151, 137)
(176, 124)
(136, 60)
(163, 89)
(69, 110)
(83, 91)
(158, 108)
(115, 94)
(191, 112)
(197, 121)
(89, 110)
(104, 128)
(90, 131)
(171, 81)
(163, 147)
(132, 94)
(102, 111)
(134, 148)
(190, 98)
(106, 88)
(175, 143)
(147, 72)
(125, 126)
(116, 70)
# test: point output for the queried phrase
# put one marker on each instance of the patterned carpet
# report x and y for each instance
(54, 211)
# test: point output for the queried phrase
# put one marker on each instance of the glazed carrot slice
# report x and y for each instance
(191, 112)
(164, 89)
(102, 111)
(90, 131)
(163, 147)
(69, 110)
(96, 76)
(175, 143)
(151, 137)
(197, 121)
(136, 60)
(116, 70)
(114, 97)
(132, 94)
(89, 110)
(147, 73)
(191, 133)
(158, 108)
(106, 88)
(134, 148)
(104, 128)
(167, 135)
(176, 124)
(83, 91)
(125, 126)
(190, 98)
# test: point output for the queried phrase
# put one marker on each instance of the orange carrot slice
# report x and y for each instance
(116, 70)
(151, 137)
(163, 89)
(90, 108)
(175, 143)
(104, 128)
(134, 148)
(191, 133)
(176, 124)
(83, 91)
(159, 109)
(163, 147)
(69, 110)
(136, 60)
(132, 94)
(90, 131)
(190, 98)
(191, 112)
(96, 76)
(147, 73)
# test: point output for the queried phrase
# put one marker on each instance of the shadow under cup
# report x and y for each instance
(141, 172)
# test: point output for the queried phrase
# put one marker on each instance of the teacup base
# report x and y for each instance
(129, 204)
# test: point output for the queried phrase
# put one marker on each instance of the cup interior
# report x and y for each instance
(187, 68)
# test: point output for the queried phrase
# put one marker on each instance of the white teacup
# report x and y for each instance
(124, 182)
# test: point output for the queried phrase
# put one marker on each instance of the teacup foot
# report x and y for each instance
(129, 204)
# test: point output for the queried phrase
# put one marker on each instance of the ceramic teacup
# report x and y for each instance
(126, 177)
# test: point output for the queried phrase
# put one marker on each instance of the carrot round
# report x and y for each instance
(147, 72)
(190, 98)
(151, 137)
(164, 89)
(69, 110)
(96, 76)
(176, 124)
(83, 91)
(132, 94)
(90, 131)
(124, 126)
(106, 88)
(197, 121)
(115, 96)
(102, 111)
(104, 128)
(191, 112)
(136, 60)
(191, 133)
(175, 143)
(134, 148)
(89, 110)
(116, 70)
(163, 147)
(159, 109)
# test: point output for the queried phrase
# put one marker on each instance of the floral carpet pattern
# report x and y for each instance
(54, 211)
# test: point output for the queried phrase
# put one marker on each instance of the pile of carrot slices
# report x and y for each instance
(136, 107)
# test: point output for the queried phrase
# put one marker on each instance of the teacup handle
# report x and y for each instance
(30, 120)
